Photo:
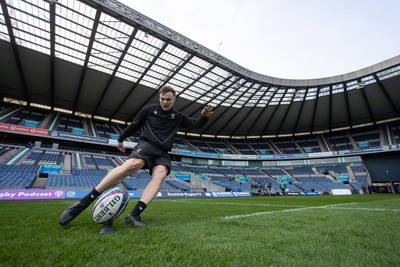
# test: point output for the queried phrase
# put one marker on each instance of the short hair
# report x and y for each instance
(165, 89)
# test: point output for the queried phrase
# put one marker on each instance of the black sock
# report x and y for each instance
(89, 198)
(140, 206)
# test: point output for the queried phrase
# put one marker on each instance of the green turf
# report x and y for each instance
(359, 230)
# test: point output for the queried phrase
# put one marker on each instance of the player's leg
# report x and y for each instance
(116, 175)
(158, 176)
(113, 178)
(159, 173)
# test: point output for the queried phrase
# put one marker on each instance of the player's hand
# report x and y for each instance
(121, 147)
(207, 111)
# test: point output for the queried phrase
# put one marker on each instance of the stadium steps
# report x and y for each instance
(8, 155)
(13, 111)
(231, 147)
(314, 169)
(40, 182)
(273, 146)
(53, 122)
(197, 182)
(46, 121)
(331, 176)
(188, 144)
(352, 176)
(17, 156)
(173, 177)
(349, 186)
(67, 165)
(352, 141)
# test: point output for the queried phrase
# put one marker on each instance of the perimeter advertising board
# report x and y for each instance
(41, 194)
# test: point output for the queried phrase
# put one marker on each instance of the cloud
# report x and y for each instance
(286, 38)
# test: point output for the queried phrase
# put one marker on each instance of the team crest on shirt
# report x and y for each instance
(155, 112)
(173, 116)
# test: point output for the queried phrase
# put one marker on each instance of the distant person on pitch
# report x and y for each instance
(158, 124)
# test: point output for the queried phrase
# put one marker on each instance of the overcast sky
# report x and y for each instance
(294, 39)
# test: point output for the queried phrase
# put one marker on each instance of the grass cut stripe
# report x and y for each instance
(367, 209)
(237, 204)
(278, 211)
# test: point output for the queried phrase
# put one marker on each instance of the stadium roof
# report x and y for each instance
(104, 60)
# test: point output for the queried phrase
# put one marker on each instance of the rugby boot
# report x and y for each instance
(71, 213)
(108, 228)
(134, 220)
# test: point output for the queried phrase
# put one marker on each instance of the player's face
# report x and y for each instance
(167, 101)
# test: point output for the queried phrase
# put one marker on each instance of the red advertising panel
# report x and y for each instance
(23, 129)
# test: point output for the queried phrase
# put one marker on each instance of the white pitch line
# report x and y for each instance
(279, 211)
(239, 204)
(369, 209)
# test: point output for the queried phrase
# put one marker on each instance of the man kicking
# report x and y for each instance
(158, 124)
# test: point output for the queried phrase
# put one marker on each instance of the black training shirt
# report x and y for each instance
(159, 127)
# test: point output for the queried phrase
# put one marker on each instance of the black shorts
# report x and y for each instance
(151, 155)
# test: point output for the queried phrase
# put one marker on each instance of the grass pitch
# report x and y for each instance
(359, 230)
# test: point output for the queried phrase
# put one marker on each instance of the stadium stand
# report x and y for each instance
(339, 142)
(89, 167)
(178, 185)
(179, 168)
(318, 183)
(89, 161)
(14, 176)
(81, 181)
(309, 144)
(242, 147)
(332, 169)
(250, 172)
(273, 171)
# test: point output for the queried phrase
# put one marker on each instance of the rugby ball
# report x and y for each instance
(110, 205)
